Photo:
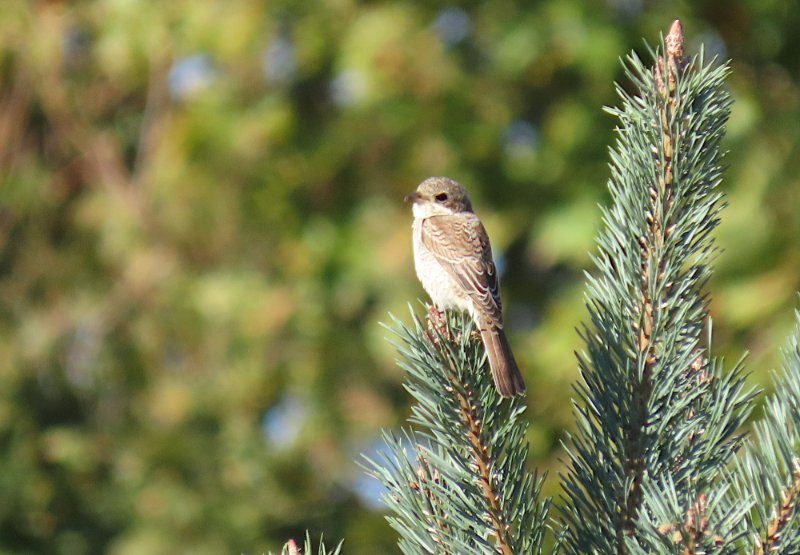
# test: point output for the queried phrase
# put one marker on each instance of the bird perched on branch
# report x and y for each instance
(453, 260)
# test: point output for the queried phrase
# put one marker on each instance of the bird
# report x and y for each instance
(453, 260)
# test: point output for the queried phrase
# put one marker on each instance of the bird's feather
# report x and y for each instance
(460, 244)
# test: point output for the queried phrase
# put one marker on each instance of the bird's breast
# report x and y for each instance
(437, 281)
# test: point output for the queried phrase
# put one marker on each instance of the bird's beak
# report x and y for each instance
(413, 197)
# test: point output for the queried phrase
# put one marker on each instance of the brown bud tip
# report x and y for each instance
(674, 40)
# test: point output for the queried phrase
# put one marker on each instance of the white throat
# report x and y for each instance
(428, 209)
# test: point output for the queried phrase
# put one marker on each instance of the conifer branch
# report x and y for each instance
(788, 501)
(767, 476)
(479, 457)
(656, 414)
(478, 451)
(466, 489)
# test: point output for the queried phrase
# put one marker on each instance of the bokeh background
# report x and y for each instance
(201, 227)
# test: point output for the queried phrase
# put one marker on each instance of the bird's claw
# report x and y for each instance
(437, 325)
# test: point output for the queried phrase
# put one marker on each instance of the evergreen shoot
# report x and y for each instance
(457, 482)
(766, 478)
(657, 415)
(291, 548)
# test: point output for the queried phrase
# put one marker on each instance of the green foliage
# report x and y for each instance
(465, 488)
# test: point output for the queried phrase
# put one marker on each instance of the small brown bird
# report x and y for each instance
(453, 260)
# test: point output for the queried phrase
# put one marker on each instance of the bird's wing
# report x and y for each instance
(461, 246)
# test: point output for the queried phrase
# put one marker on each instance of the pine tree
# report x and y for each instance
(656, 463)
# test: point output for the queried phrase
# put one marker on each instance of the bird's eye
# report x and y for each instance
(441, 197)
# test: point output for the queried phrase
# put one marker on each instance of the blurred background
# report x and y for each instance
(201, 227)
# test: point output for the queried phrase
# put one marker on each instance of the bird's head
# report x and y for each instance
(438, 196)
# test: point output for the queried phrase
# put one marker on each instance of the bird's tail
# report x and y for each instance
(506, 374)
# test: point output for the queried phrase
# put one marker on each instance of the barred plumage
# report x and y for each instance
(453, 259)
